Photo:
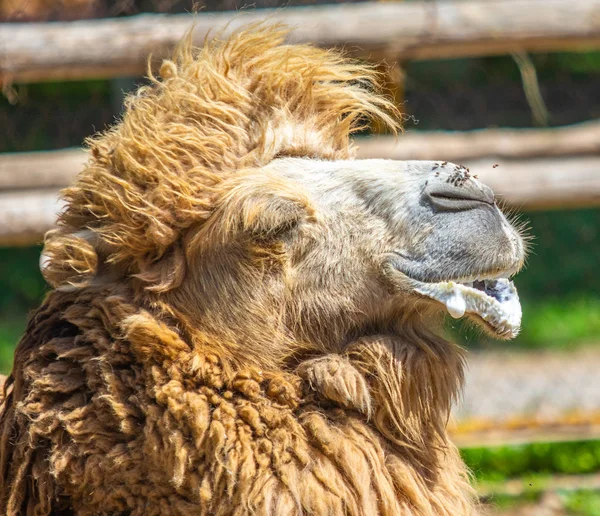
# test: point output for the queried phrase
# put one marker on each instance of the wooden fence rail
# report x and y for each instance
(26, 215)
(543, 183)
(400, 31)
(574, 140)
(528, 169)
(55, 169)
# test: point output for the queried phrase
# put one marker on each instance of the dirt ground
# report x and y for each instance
(542, 385)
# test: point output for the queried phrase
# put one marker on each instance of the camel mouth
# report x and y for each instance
(493, 300)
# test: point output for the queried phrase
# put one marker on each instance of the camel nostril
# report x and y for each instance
(449, 197)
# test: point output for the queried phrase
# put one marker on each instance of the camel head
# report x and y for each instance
(346, 248)
(227, 199)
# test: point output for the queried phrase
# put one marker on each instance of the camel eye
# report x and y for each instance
(262, 205)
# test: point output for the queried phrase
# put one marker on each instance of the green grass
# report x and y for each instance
(583, 503)
(558, 324)
(531, 469)
(501, 463)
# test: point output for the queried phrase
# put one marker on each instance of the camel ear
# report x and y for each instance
(264, 206)
(166, 273)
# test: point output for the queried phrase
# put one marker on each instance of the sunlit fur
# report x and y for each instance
(205, 350)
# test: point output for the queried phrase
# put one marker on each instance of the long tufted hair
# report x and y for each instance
(233, 104)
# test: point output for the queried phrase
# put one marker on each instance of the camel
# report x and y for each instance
(244, 318)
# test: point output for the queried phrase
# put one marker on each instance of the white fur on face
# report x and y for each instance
(385, 206)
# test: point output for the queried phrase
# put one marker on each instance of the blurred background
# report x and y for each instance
(511, 88)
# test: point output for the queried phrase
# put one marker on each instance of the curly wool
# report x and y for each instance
(115, 413)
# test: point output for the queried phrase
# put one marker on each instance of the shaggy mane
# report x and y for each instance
(233, 104)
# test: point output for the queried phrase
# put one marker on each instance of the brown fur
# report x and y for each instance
(167, 374)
